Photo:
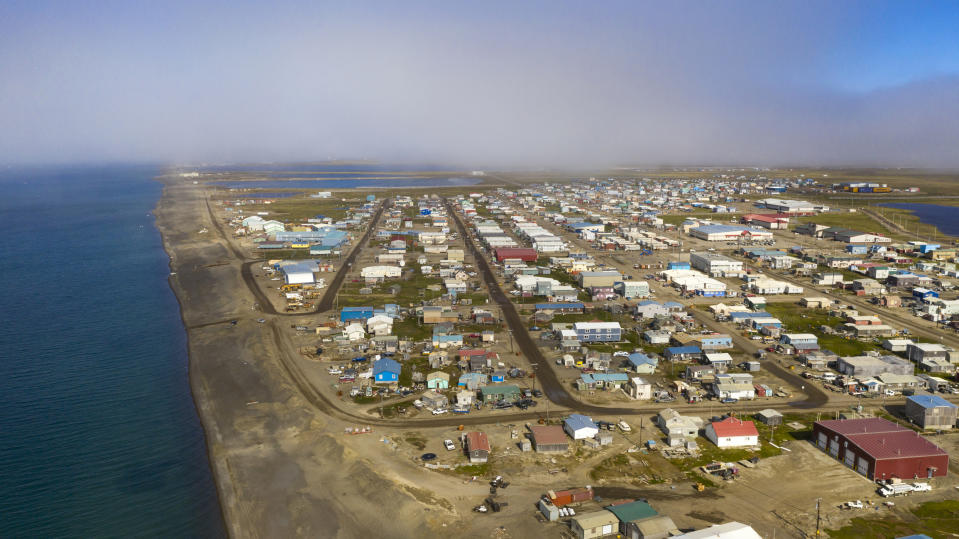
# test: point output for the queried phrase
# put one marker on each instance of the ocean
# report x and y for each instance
(334, 182)
(943, 217)
(99, 435)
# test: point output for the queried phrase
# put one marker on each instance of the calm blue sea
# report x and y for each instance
(945, 218)
(99, 436)
(349, 183)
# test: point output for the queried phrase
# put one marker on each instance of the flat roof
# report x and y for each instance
(549, 434)
(931, 401)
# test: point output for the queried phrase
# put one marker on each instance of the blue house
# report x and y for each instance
(924, 293)
(857, 249)
(683, 353)
(348, 314)
(642, 364)
(386, 371)
(472, 380)
(928, 247)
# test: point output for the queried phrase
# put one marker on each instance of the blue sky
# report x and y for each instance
(484, 83)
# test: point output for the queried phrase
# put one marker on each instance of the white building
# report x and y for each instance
(640, 389)
(716, 264)
(732, 432)
(379, 273)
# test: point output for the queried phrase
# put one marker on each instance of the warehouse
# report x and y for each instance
(716, 264)
(632, 289)
(379, 273)
(931, 412)
(598, 278)
(864, 366)
(880, 449)
(299, 273)
(729, 232)
(775, 221)
(793, 207)
(516, 253)
(549, 439)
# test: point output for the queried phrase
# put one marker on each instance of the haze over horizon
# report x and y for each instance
(482, 84)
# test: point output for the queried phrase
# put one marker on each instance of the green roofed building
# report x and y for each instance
(506, 393)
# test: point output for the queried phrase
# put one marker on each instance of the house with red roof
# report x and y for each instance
(732, 432)
(477, 446)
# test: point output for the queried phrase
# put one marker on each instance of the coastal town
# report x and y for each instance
(614, 350)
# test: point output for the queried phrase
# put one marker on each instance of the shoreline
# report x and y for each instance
(224, 489)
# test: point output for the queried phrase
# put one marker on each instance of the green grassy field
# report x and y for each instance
(798, 319)
(935, 519)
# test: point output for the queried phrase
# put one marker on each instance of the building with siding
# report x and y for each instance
(880, 449)
(931, 412)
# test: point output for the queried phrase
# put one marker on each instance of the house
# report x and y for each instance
(579, 426)
(678, 428)
(465, 398)
(600, 523)
(438, 315)
(386, 371)
(434, 400)
(631, 512)
(477, 447)
(732, 432)
(640, 389)
(641, 363)
(549, 439)
(608, 381)
(473, 380)
(650, 309)
(734, 386)
(598, 331)
(700, 373)
(438, 380)
(379, 324)
(683, 353)
(500, 393)
(719, 361)
(354, 332)
(931, 412)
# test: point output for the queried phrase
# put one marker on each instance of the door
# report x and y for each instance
(863, 467)
(850, 459)
(822, 441)
(834, 448)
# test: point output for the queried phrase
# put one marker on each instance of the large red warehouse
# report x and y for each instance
(880, 449)
(517, 253)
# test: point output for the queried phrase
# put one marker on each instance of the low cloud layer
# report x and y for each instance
(479, 85)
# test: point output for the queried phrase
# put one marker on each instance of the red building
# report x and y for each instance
(774, 221)
(516, 253)
(880, 449)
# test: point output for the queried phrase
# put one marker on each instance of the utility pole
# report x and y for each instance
(818, 516)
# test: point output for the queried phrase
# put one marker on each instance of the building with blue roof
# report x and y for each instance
(348, 314)
(579, 427)
(642, 364)
(599, 380)
(931, 412)
(683, 353)
(386, 371)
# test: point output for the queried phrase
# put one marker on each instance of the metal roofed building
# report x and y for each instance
(549, 439)
(598, 331)
(729, 530)
(931, 412)
(728, 232)
(595, 524)
(579, 426)
(880, 449)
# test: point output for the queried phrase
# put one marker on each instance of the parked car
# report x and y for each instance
(450, 446)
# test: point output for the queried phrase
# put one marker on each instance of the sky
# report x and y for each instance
(482, 84)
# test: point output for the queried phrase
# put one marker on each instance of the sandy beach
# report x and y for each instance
(281, 467)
